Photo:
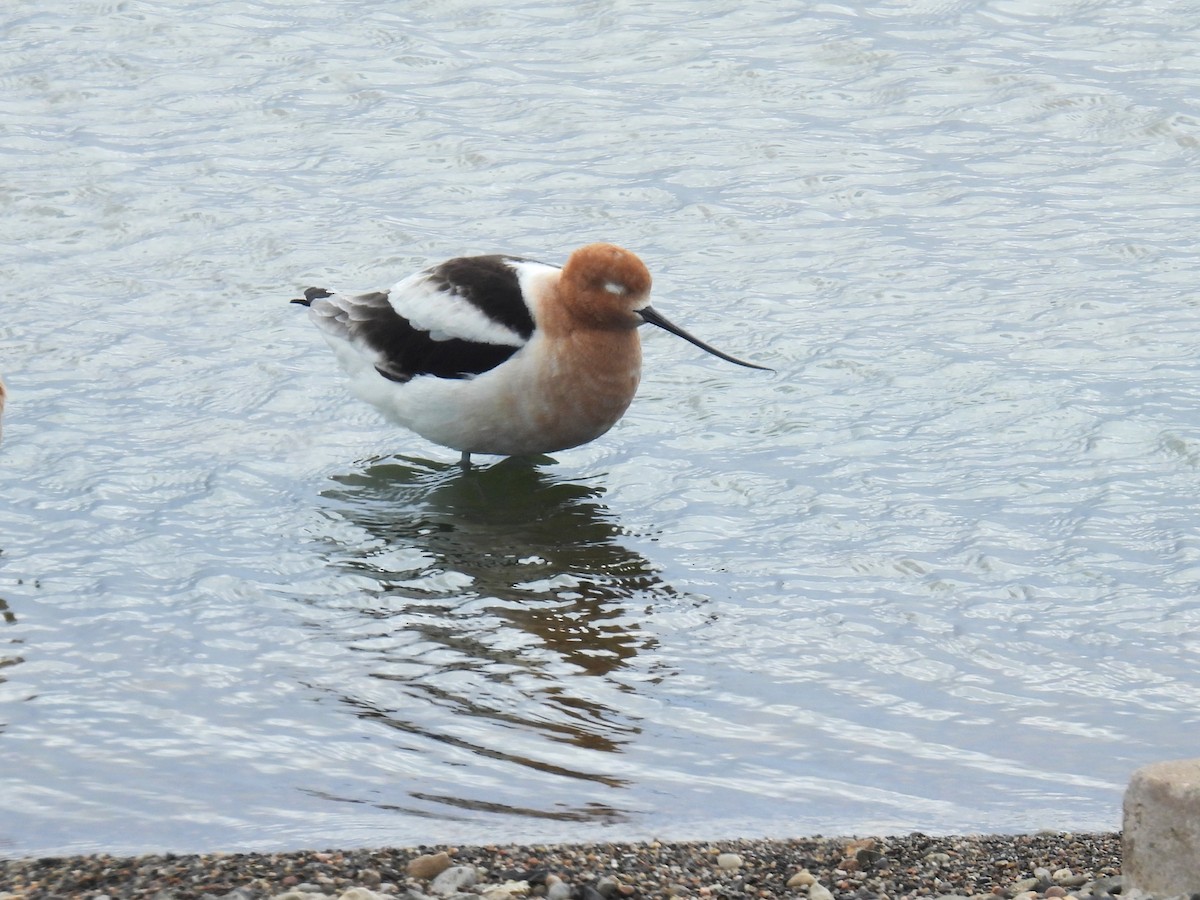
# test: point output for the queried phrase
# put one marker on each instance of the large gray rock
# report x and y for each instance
(1161, 841)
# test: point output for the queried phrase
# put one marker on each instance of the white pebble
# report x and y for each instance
(729, 861)
(803, 878)
(818, 891)
(453, 880)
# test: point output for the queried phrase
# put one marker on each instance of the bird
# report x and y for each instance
(497, 354)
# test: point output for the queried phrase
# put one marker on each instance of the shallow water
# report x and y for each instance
(940, 572)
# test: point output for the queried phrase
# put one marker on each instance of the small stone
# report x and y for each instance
(1021, 887)
(1073, 880)
(536, 876)
(607, 886)
(729, 861)
(855, 846)
(818, 891)
(559, 890)
(360, 893)
(1109, 884)
(803, 878)
(867, 856)
(429, 866)
(1056, 890)
(453, 880)
(370, 877)
(1041, 873)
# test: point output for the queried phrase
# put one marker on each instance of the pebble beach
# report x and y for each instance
(1012, 867)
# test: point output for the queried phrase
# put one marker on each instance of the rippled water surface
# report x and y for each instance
(940, 572)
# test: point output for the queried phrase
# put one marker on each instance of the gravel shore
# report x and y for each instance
(1024, 867)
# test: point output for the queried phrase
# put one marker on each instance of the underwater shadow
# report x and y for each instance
(512, 532)
(507, 612)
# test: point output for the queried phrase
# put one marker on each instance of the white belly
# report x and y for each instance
(533, 403)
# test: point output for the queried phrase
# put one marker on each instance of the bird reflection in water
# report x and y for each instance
(508, 601)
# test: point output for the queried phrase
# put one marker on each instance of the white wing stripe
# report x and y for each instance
(447, 316)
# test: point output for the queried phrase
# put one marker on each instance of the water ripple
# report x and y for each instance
(946, 552)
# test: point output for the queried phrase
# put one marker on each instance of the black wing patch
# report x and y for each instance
(489, 284)
(403, 351)
(408, 352)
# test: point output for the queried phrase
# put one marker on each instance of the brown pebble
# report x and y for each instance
(429, 866)
(1056, 891)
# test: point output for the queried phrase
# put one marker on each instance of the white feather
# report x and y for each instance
(446, 315)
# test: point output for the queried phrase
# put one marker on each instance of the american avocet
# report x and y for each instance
(500, 354)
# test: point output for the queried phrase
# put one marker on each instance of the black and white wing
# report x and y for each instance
(457, 319)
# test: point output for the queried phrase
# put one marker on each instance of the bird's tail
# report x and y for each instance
(311, 294)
